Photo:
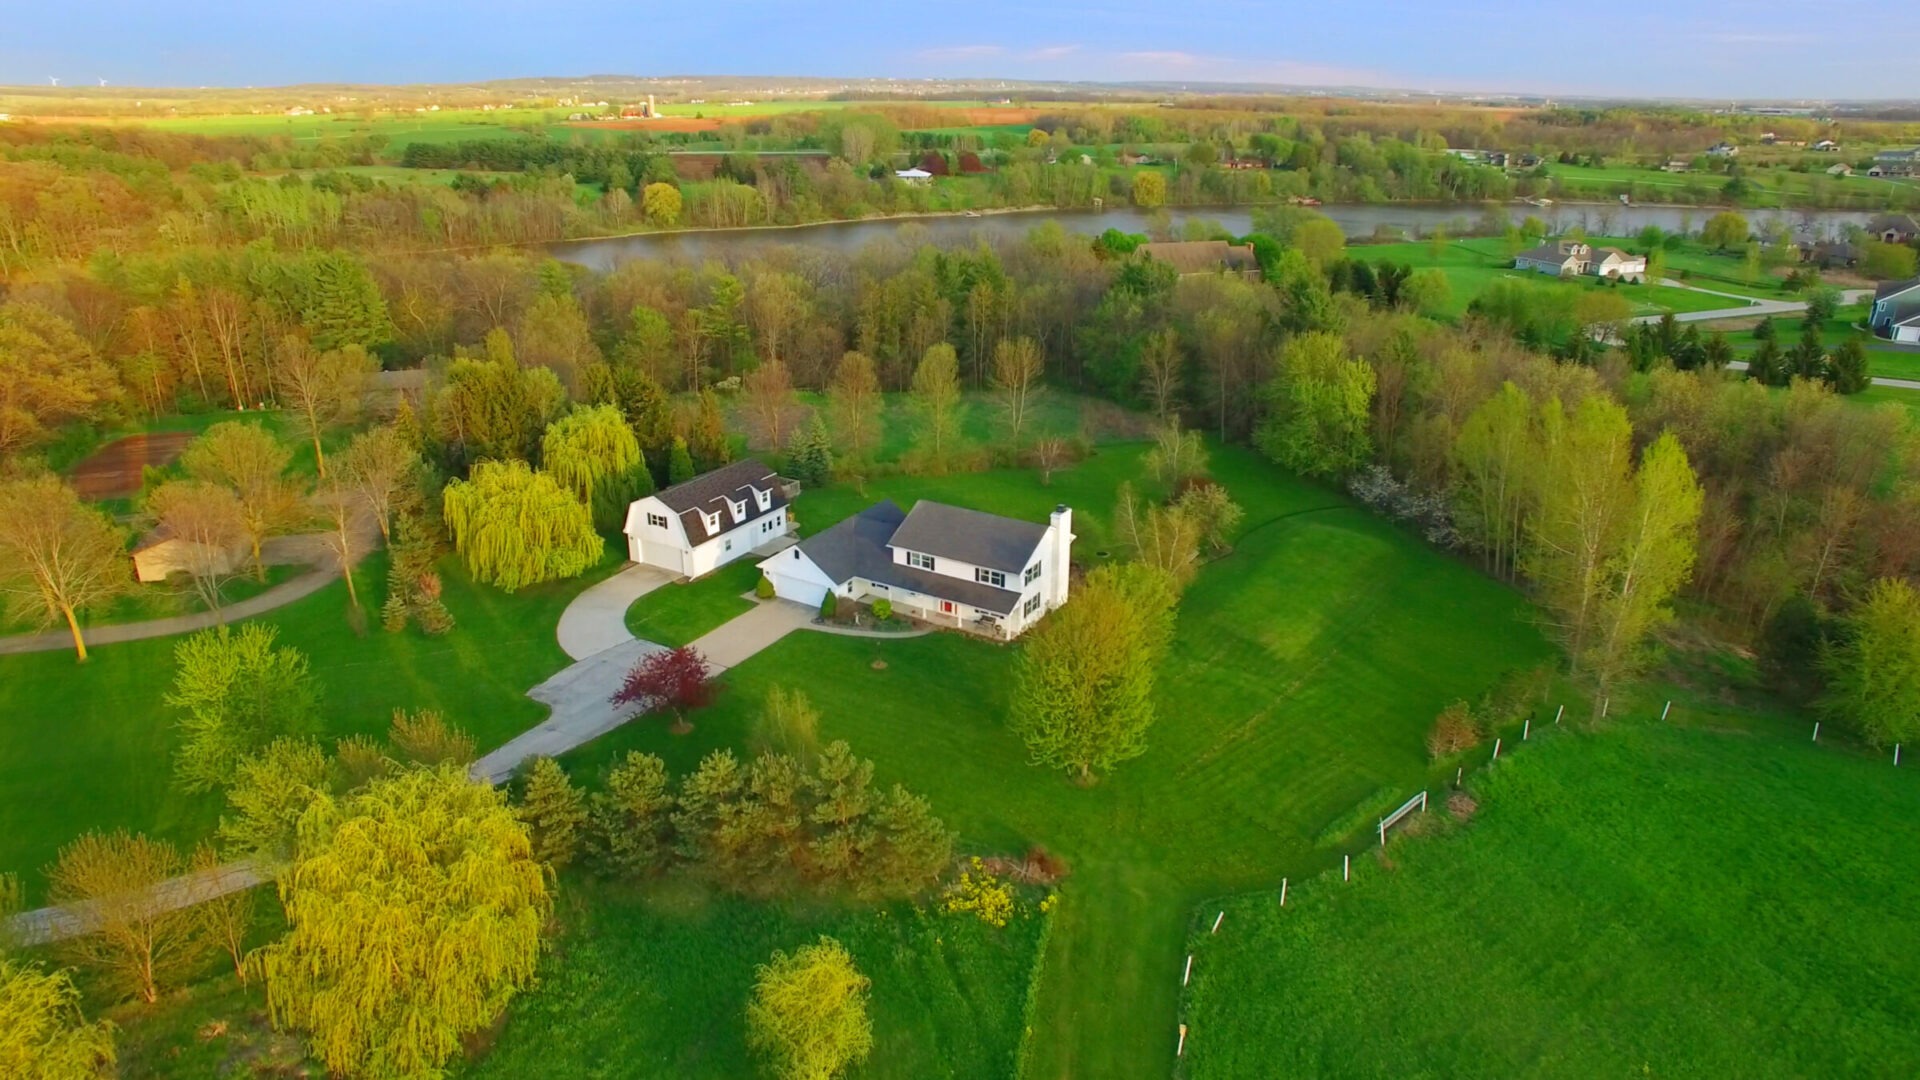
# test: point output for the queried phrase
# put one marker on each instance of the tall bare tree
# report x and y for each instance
(322, 388)
(1017, 364)
(1161, 371)
(854, 399)
(247, 459)
(58, 556)
(936, 395)
(769, 393)
(136, 938)
(381, 465)
(209, 520)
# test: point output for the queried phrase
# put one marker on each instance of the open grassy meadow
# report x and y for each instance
(656, 984)
(1306, 668)
(1646, 899)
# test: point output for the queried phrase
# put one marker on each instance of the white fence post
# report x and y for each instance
(1816, 731)
(1181, 1051)
(1668, 709)
(1216, 922)
(1346, 868)
(1556, 714)
(1187, 976)
(1526, 729)
(1283, 892)
(1496, 750)
(1605, 704)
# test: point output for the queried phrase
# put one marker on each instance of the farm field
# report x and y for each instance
(1777, 186)
(1305, 670)
(1648, 898)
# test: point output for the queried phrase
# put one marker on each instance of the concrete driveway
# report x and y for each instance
(596, 620)
(749, 632)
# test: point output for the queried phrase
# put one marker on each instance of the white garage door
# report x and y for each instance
(799, 590)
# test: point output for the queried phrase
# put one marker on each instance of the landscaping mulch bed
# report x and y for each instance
(114, 470)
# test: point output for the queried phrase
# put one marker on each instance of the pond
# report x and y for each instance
(1358, 221)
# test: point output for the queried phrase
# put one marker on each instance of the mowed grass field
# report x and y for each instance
(1777, 186)
(91, 747)
(1643, 900)
(1883, 360)
(655, 984)
(1306, 668)
(1473, 265)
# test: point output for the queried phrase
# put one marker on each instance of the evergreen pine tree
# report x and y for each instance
(344, 305)
(1768, 366)
(810, 459)
(554, 811)
(1717, 353)
(631, 817)
(679, 462)
(1847, 368)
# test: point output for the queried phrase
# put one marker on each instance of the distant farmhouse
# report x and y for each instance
(947, 565)
(1896, 311)
(1190, 257)
(1894, 228)
(1895, 163)
(1572, 258)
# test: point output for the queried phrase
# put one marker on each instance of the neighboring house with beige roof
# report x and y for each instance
(1189, 257)
(160, 554)
(1573, 258)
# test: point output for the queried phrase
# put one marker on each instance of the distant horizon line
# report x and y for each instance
(1007, 83)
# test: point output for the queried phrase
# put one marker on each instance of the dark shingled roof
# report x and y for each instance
(861, 546)
(857, 546)
(710, 492)
(1890, 288)
(989, 540)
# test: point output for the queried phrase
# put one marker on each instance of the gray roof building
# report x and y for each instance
(712, 492)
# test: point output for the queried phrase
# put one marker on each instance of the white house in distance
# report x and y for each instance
(699, 526)
(944, 564)
(1572, 258)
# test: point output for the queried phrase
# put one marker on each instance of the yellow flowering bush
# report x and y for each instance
(980, 893)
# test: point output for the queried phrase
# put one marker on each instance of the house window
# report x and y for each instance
(765, 500)
(919, 561)
(1033, 573)
(713, 523)
(1033, 605)
(990, 577)
(658, 521)
(726, 545)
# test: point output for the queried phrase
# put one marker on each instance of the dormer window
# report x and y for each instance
(764, 498)
(713, 523)
(739, 510)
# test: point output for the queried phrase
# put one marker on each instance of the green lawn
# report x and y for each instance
(1774, 186)
(1306, 668)
(1876, 395)
(91, 747)
(1883, 360)
(1646, 900)
(677, 614)
(1471, 265)
(656, 985)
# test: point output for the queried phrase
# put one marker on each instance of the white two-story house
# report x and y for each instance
(696, 527)
(944, 564)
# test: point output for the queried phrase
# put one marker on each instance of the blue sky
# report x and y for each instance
(1693, 48)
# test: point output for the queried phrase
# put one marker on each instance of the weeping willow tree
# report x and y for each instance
(414, 910)
(593, 453)
(518, 527)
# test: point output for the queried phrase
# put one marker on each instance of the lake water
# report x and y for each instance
(1359, 222)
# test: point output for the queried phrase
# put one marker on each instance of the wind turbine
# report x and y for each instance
(54, 79)
(103, 82)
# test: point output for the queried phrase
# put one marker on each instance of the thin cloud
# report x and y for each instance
(963, 52)
(1052, 52)
(1162, 59)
